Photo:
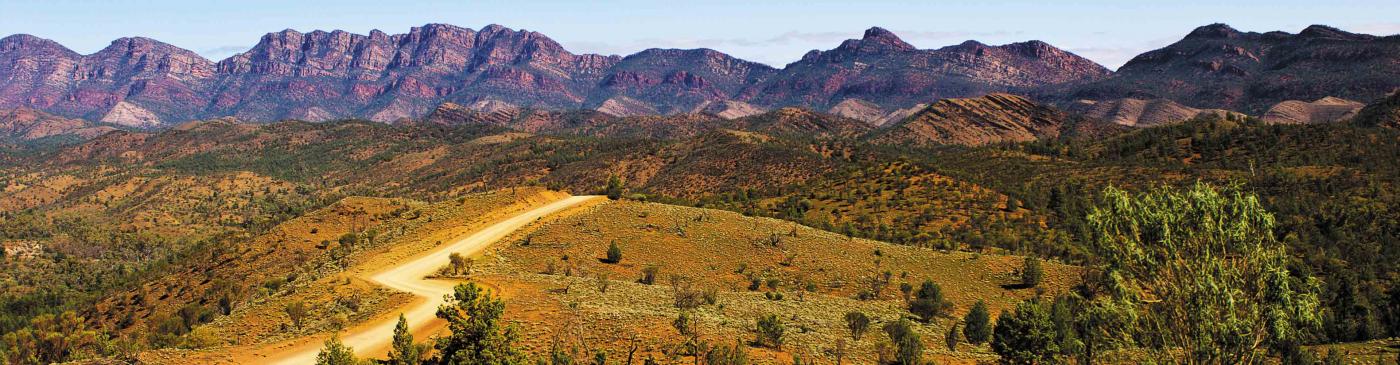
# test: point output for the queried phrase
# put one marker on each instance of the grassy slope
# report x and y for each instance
(707, 247)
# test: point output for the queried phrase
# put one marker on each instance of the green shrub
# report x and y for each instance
(909, 349)
(770, 331)
(857, 323)
(1031, 272)
(929, 303)
(335, 352)
(614, 254)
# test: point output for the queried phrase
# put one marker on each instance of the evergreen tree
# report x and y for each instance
(977, 325)
(929, 303)
(614, 254)
(478, 334)
(405, 352)
(1025, 336)
(1031, 272)
(614, 188)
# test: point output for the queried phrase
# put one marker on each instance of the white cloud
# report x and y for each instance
(220, 53)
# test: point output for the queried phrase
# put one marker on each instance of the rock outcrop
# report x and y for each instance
(1325, 110)
(976, 121)
(1142, 113)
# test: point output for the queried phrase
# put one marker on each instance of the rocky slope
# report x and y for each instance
(331, 75)
(1140, 113)
(28, 125)
(976, 121)
(675, 80)
(802, 123)
(131, 81)
(1217, 66)
(1325, 110)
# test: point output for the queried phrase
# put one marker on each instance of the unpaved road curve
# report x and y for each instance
(369, 339)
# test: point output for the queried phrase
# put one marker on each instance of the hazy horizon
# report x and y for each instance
(774, 33)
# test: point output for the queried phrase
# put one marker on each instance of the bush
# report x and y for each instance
(857, 323)
(686, 325)
(296, 311)
(737, 354)
(928, 302)
(1031, 272)
(336, 353)
(687, 296)
(614, 188)
(1205, 243)
(977, 325)
(909, 349)
(459, 264)
(348, 239)
(770, 331)
(614, 254)
(649, 274)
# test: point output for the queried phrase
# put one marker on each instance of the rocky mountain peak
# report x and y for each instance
(1323, 31)
(140, 54)
(29, 43)
(881, 36)
(1217, 30)
(1033, 48)
(140, 46)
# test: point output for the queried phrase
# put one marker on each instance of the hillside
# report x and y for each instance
(26, 125)
(1325, 110)
(976, 121)
(1383, 113)
(161, 226)
(1141, 113)
(552, 277)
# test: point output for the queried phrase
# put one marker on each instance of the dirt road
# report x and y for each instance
(373, 338)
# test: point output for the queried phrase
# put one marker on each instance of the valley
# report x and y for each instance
(453, 195)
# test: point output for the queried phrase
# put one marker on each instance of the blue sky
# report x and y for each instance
(772, 32)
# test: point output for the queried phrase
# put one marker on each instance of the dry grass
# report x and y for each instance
(708, 248)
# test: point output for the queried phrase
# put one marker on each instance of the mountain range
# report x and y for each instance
(879, 78)
(1219, 67)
